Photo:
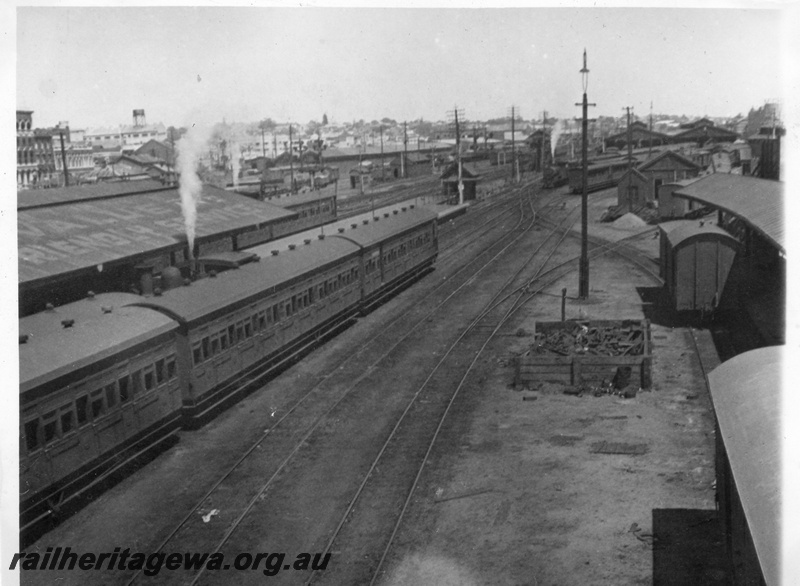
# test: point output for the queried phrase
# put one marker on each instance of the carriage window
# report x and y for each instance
(149, 379)
(111, 395)
(215, 345)
(294, 303)
(275, 316)
(240, 331)
(232, 335)
(248, 328)
(97, 404)
(197, 355)
(32, 434)
(81, 403)
(67, 419)
(206, 348)
(124, 388)
(223, 339)
(171, 370)
(288, 309)
(50, 427)
(137, 382)
(262, 320)
(161, 375)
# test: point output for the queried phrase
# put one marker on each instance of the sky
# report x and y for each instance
(92, 66)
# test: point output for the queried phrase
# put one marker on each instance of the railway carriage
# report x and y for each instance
(599, 175)
(260, 314)
(396, 249)
(98, 390)
(108, 380)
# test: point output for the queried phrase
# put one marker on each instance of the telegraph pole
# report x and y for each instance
(64, 160)
(583, 281)
(381, 129)
(544, 127)
(513, 146)
(630, 158)
(291, 160)
(404, 161)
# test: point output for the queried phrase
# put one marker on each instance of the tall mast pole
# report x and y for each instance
(630, 159)
(583, 281)
(64, 160)
(291, 160)
(382, 167)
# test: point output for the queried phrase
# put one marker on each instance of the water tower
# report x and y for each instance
(138, 118)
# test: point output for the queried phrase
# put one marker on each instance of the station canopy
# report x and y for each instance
(759, 203)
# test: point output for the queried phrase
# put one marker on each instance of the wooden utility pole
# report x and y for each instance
(64, 160)
(630, 160)
(544, 126)
(513, 147)
(382, 166)
(291, 160)
(458, 160)
(403, 161)
(583, 279)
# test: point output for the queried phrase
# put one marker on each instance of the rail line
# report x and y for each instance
(284, 418)
(419, 426)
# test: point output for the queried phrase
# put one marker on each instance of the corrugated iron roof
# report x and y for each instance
(207, 297)
(758, 202)
(746, 391)
(53, 350)
(34, 198)
(64, 238)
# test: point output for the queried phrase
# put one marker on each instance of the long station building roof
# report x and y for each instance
(65, 230)
(746, 392)
(757, 202)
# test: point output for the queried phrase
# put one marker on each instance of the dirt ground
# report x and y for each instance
(524, 500)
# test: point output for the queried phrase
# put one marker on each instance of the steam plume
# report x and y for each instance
(189, 148)
(554, 135)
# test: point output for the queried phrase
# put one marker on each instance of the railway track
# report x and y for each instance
(286, 435)
(402, 456)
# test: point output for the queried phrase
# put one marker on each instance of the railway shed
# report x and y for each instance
(746, 395)
(695, 260)
(116, 236)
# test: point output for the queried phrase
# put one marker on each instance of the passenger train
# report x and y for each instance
(600, 175)
(105, 382)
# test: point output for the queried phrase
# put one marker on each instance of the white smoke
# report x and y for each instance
(189, 148)
(554, 135)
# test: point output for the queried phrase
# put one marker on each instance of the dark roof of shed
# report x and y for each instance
(53, 350)
(668, 154)
(682, 230)
(746, 391)
(467, 172)
(34, 198)
(757, 202)
(376, 230)
(205, 297)
(65, 238)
